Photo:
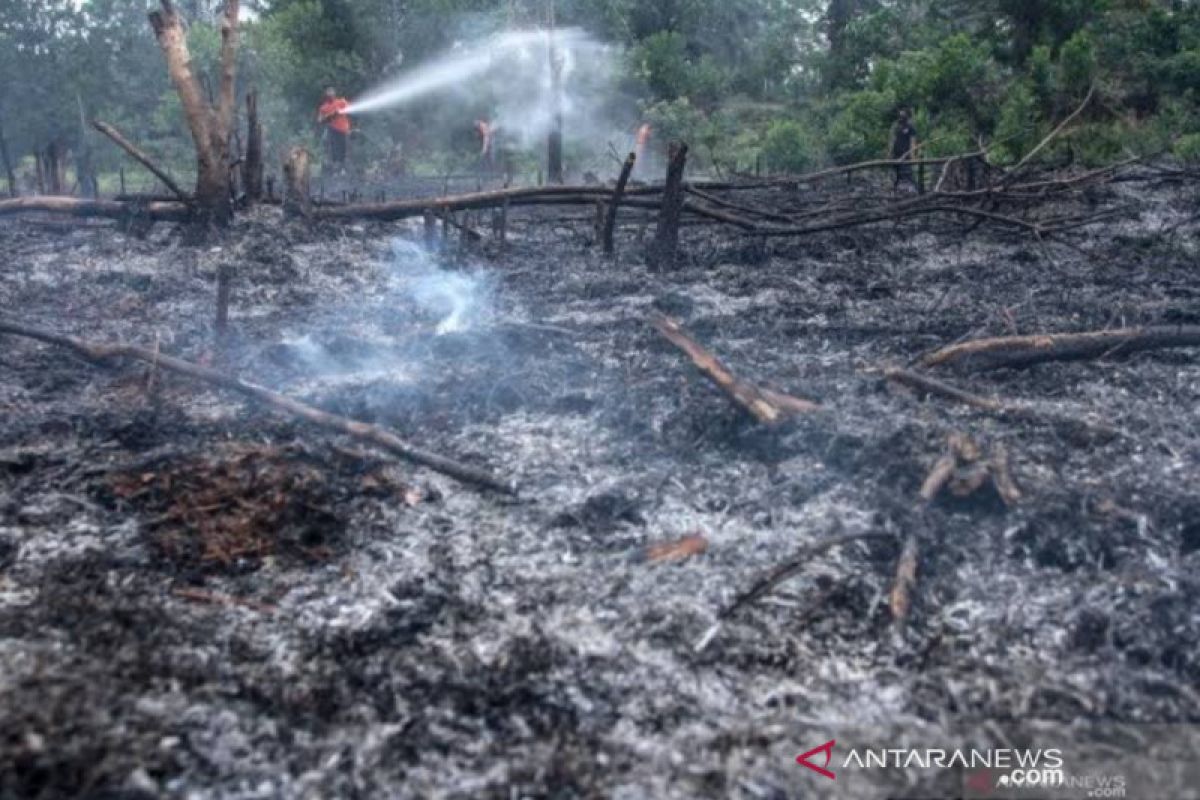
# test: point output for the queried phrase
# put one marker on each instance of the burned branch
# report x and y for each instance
(610, 221)
(767, 407)
(138, 155)
(372, 434)
(1024, 351)
(773, 578)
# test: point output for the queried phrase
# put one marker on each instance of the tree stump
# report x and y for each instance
(664, 248)
(296, 199)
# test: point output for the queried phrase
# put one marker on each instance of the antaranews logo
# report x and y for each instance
(827, 749)
(1024, 767)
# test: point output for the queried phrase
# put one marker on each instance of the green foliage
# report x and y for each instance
(860, 130)
(1043, 81)
(663, 63)
(677, 120)
(1020, 126)
(1097, 144)
(1187, 148)
(793, 81)
(1077, 64)
(945, 134)
(790, 146)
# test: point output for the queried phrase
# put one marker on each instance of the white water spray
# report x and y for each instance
(459, 67)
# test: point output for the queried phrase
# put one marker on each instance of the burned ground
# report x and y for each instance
(200, 598)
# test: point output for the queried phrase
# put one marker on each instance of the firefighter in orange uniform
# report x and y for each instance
(332, 114)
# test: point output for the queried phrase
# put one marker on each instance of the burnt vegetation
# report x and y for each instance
(630, 458)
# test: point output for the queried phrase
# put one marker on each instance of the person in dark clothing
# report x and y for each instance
(904, 148)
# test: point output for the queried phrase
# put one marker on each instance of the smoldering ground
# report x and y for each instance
(400, 635)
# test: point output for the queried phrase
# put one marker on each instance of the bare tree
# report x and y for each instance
(210, 124)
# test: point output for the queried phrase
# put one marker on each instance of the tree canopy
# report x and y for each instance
(794, 82)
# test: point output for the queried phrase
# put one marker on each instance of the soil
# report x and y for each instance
(200, 598)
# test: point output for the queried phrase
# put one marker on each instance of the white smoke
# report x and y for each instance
(458, 300)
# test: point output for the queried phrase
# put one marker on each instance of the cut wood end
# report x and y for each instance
(943, 468)
(689, 546)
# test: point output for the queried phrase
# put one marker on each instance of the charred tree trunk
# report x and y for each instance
(554, 155)
(252, 167)
(665, 246)
(40, 171)
(85, 170)
(297, 201)
(610, 223)
(209, 123)
(8, 167)
(54, 167)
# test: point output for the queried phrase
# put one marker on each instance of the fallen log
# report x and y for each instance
(720, 216)
(767, 407)
(1024, 351)
(913, 209)
(713, 200)
(109, 209)
(372, 434)
(527, 195)
(793, 180)
(140, 157)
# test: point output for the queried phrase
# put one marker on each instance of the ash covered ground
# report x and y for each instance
(201, 598)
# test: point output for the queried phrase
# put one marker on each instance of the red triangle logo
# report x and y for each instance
(827, 749)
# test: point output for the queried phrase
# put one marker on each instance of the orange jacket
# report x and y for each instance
(332, 112)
